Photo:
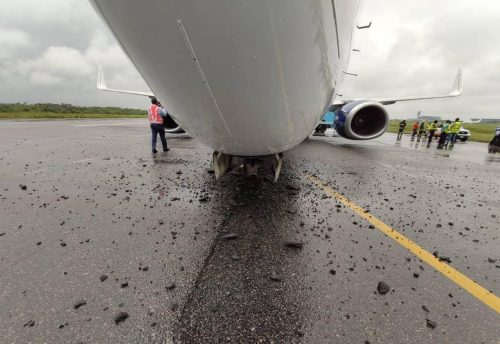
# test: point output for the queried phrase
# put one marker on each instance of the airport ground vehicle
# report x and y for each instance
(327, 122)
(463, 135)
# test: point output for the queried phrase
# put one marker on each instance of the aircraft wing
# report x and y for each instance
(101, 85)
(455, 92)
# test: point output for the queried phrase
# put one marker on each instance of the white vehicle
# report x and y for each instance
(250, 79)
(463, 135)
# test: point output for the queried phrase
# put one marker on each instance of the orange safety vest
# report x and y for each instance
(154, 114)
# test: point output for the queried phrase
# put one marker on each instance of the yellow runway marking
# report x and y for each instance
(460, 279)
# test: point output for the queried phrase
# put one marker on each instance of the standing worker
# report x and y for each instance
(416, 125)
(421, 131)
(431, 128)
(402, 126)
(454, 130)
(443, 138)
(494, 145)
(155, 116)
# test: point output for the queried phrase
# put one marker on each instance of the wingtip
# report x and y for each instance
(458, 85)
(101, 83)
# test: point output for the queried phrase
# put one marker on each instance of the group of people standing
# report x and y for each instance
(447, 138)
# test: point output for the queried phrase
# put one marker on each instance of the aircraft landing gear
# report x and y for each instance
(221, 163)
(249, 166)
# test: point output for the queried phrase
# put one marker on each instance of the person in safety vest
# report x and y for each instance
(454, 129)
(421, 131)
(402, 126)
(445, 130)
(415, 127)
(431, 128)
(156, 113)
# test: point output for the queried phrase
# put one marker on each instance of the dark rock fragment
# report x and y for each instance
(383, 288)
(292, 186)
(444, 259)
(23, 187)
(121, 317)
(79, 304)
(30, 323)
(491, 260)
(431, 324)
(103, 278)
(424, 307)
(124, 285)
(299, 333)
(294, 244)
(171, 286)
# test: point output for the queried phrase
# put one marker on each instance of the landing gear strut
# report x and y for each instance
(221, 163)
(249, 166)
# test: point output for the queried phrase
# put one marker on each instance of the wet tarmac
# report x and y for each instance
(99, 243)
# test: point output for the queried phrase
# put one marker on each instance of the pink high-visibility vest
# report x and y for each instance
(154, 114)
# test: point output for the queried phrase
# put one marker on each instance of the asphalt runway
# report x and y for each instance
(99, 243)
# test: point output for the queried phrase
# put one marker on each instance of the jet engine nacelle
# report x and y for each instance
(172, 127)
(361, 120)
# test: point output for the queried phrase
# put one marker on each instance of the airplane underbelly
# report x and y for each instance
(244, 77)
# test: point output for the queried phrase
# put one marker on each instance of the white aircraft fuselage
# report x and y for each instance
(245, 77)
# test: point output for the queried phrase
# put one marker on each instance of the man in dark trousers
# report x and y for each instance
(421, 131)
(155, 115)
(416, 125)
(443, 137)
(402, 126)
(431, 128)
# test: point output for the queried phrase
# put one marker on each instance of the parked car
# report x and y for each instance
(463, 135)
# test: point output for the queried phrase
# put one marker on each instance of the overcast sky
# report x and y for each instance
(50, 50)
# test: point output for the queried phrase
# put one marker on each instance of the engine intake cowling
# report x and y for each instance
(170, 125)
(361, 120)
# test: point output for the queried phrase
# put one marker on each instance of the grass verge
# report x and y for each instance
(45, 115)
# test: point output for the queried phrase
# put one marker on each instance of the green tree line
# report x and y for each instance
(62, 108)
